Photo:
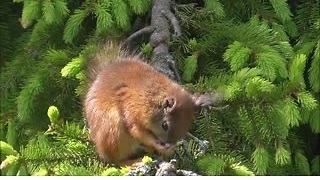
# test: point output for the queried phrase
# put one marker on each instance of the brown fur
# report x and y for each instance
(126, 105)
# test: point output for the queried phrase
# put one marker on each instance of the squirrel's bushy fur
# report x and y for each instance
(130, 107)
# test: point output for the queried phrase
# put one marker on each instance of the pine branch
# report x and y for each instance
(74, 24)
(215, 6)
(104, 18)
(314, 72)
(260, 159)
(139, 6)
(120, 13)
(31, 11)
(282, 9)
(190, 68)
(48, 10)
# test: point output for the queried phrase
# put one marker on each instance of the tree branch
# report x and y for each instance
(160, 168)
(161, 59)
(164, 63)
(145, 30)
(174, 22)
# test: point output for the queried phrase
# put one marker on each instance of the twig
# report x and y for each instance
(218, 108)
(175, 23)
(145, 30)
(203, 144)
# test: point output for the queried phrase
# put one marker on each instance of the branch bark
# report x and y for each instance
(174, 23)
(160, 168)
(145, 30)
(161, 59)
(159, 28)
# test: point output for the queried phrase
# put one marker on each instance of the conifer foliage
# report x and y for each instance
(263, 56)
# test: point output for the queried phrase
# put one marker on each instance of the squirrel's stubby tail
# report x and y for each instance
(105, 54)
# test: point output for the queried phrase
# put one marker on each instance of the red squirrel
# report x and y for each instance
(131, 106)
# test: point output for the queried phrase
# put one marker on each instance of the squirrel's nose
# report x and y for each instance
(162, 143)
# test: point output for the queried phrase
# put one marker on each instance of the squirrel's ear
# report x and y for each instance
(169, 104)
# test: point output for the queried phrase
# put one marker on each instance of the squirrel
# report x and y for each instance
(132, 108)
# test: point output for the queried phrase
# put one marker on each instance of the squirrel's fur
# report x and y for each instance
(130, 106)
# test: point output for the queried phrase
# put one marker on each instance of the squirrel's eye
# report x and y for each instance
(165, 126)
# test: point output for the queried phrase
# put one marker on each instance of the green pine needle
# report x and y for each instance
(74, 24)
(61, 10)
(241, 170)
(104, 18)
(314, 72)
(307, 100)
(48, 11)
(296, 69)
(139, 6)
(121, 13)
(302, 164)
(315, 166)
(190, 68)
(256, 86)
(282, 9)
(31, 11)
(283, 156)
(291, 111)
(314, 120)
(215, 6)
(211, 165)
(73, 67)
(260, 158)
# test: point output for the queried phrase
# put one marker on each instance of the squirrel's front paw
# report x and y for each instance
(165, 148)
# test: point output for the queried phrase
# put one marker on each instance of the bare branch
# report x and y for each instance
(203, 144)
(174, 22)
(162, 61)
(145, 30)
